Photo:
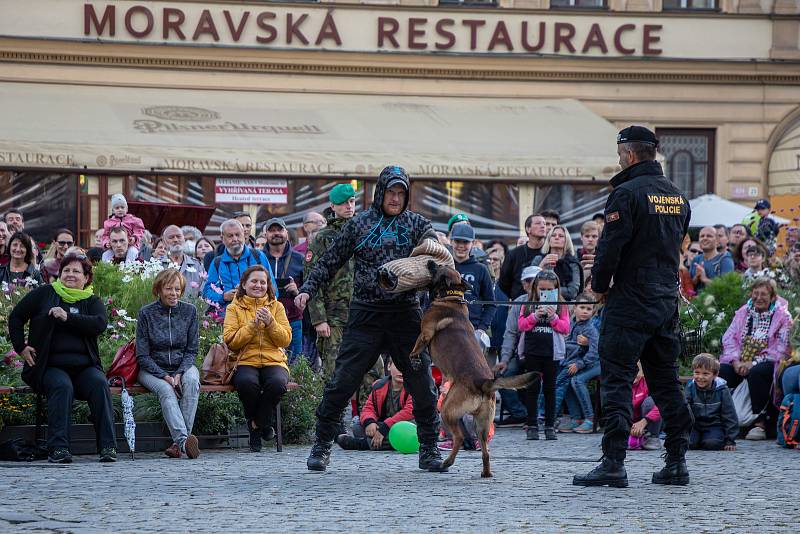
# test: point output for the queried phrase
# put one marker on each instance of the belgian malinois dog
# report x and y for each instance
(456, 352)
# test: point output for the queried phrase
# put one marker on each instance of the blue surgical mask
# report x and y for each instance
(548, 295)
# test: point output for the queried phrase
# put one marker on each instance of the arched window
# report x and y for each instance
(689, 156)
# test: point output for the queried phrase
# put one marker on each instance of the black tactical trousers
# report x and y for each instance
(620, 348)
(367, 335)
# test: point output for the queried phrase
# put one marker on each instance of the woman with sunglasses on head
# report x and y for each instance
(21, 267)
(63, 239)
(62, 358)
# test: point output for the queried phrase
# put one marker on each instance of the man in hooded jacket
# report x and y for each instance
(379, 321)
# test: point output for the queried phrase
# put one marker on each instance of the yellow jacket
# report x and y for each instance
(257, 346)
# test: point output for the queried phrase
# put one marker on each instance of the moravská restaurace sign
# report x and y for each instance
(387, 29)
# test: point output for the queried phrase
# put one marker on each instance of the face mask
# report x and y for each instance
(548, 295)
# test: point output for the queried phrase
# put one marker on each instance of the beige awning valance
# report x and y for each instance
(126, 129)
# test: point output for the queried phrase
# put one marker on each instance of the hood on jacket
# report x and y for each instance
(388, 174)
(719, 383)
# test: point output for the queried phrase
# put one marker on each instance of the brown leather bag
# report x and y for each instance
(217, 369)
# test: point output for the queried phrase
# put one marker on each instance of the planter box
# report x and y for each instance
(150, 437)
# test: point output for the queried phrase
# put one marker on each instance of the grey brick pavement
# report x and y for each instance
(751, 490)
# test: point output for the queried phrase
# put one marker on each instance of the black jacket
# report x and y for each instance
(90, 321)
(373, 239)
(166, 338)
(31, 272)
(713, 407)
(646, 219)
(478, 276)
(518, 258)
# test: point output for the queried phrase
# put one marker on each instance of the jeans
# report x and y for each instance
(653, 427)
(260, 389)
(178, 413)
(791, 380)
(62, 386)
(710, 439)
(368, 334)
(657, 349)
(509, 397)
(546, 366)
(296, 346)
(578, 383)
(359, 433)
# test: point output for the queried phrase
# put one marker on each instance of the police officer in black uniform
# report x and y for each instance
(646, 220)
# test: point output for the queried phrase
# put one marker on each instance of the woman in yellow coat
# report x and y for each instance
(256, 332)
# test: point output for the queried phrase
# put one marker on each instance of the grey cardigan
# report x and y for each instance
(166, 338)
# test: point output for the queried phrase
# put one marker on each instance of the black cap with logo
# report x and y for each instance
(637, 134)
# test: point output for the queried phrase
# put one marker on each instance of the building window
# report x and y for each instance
(689, 4)
(576, 204)
(48, 201)
(689, 156)
(578, 3)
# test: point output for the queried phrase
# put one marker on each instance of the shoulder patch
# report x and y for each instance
(309, 255)
(613, 216)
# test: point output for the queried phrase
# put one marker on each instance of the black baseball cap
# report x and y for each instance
(763, 204)
(637, 134)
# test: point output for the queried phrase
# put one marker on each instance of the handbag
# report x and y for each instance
(744, 407)
(125, 367)
(217, 369)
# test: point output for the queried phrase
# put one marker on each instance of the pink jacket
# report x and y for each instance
(640, 393)
(133, 224)
(777, 341)
(560, 324)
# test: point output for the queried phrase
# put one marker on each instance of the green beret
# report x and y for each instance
(341, 193)
(457, 218)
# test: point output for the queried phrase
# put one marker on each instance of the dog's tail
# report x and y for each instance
(511, 382)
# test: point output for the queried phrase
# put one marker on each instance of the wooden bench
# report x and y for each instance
(137, 389)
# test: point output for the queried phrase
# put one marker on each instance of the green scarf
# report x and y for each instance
(69, 295)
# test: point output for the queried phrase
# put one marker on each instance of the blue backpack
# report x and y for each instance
(789, 421)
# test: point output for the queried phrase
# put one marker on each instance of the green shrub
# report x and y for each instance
(298, 406)
(712, 310)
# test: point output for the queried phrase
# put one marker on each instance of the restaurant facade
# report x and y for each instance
(495, 108)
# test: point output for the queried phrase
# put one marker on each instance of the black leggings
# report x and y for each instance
(549, 369)
(759, 380)
(260, 389)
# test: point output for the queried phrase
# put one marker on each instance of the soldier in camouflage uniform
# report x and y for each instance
(329, 309)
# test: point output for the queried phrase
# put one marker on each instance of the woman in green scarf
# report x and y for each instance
(61, 356)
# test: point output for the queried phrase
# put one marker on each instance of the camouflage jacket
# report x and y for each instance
(332, 303)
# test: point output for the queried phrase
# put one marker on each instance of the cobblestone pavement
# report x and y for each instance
(751, 490)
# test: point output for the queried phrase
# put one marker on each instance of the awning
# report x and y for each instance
(708, 210)
(126, 129)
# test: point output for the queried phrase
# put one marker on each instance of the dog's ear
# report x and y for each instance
(432, 267)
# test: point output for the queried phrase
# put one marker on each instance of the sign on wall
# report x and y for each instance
(251, 191)
(435, 30)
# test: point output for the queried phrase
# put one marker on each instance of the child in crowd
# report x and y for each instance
(387, 404)
(715, 422)
(580, 364)
(133, 224)
(645, 431)
(467, 423)
(544, 328)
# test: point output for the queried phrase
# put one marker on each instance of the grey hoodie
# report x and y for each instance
(511, 336)
(166, 338)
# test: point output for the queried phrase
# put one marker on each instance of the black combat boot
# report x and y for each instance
(352, 443)
(609, 473)
(430, 459)
(674, 473)
(320, 456)
(532, 433)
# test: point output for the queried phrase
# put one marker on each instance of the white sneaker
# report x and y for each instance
(652, 443)
(756, 434)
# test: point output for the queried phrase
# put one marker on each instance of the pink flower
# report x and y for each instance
(206, 324)
(194, 285)
(217, 289)
(114, 312)
(121, 324)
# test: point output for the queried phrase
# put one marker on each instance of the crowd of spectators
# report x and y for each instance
(253, 274)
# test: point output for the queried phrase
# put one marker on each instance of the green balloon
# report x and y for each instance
(403, 437)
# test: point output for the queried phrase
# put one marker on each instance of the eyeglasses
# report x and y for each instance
(65, 243)
(695, 251)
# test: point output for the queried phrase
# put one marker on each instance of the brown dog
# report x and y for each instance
(456, 352)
